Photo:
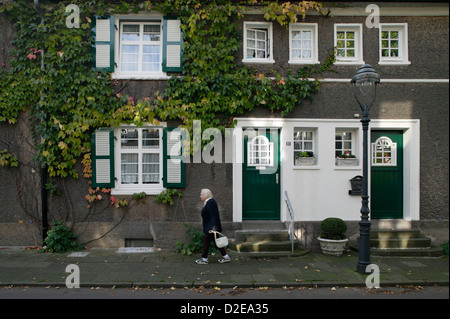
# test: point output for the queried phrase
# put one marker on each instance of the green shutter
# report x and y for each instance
(174, 161)
(103, 47)
(102, 157)
(172, 45)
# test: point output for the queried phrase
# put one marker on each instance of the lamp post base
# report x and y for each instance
(364, 247)
(362, 266)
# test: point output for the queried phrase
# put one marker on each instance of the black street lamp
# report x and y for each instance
(365, 90)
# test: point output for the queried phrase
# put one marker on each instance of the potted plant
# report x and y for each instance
(304, 159)
(346, 159)
(332, 237)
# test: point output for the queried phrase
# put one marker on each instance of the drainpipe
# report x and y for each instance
(44, 204)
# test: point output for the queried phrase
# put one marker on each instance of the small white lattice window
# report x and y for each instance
(260, 152)
(384, 152)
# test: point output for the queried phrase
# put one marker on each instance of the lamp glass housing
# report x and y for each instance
(364, 84)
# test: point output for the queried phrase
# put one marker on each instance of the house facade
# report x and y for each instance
(310, 155)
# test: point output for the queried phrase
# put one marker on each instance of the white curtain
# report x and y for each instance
(130, 168)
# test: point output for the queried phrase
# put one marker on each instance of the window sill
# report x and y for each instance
(156, 76)
(394, 63)
(259, 61)
(347, 168)
(313, 167)
(349, 62)
(298, 62)
(130, 191)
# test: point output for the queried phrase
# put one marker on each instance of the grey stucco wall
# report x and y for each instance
(104, 225)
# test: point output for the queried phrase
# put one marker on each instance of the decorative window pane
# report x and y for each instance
(384, 152)
(260, 152)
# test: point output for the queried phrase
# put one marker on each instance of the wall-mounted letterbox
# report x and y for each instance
(357, 185)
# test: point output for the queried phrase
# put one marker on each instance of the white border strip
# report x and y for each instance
(331, 80)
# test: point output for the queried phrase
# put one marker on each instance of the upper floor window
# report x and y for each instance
(303, 43)
(258, 42)
(140, 47)
(137, 46)
(394, 44)
(348, 43)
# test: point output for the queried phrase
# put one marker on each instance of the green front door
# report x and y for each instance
(261, 176)
(386, 174)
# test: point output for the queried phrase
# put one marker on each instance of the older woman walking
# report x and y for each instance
(211, 221)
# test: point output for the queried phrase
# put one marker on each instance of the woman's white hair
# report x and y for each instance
(206, 192)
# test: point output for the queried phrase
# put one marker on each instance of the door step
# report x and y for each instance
(263, 225)
(255, 241)
(401, 243)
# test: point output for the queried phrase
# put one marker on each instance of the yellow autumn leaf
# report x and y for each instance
(45, 153)
(62, 145)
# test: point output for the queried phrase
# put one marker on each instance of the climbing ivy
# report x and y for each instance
(67, 100)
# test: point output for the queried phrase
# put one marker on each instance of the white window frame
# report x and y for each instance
(128, 189)
(266, 26)
(402, 58)
(352, 140)
(313, 141)
(141, 19)
(357, 29)
(312, 27)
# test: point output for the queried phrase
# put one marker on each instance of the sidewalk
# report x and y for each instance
(110, 267)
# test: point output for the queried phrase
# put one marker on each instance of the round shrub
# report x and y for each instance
(333, 228)
(60, 240)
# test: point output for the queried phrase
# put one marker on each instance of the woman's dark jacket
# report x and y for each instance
(210, 216)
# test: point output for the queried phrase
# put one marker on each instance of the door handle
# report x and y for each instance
(276, 178)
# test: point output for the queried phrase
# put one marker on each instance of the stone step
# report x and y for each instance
(260, 246)
(416, 242)
(261, 235)
(408, 252)
(263, 225)
(261, 238)
(391, 234)
(265, 249)
(401, 243)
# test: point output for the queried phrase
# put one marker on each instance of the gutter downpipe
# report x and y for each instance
(44, 203)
